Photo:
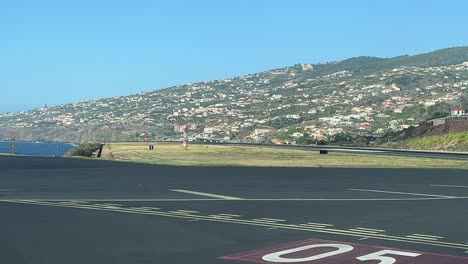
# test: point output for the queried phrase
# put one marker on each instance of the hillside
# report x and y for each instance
(434, 127)
(354, 97)
(370, 65)
(448, 142)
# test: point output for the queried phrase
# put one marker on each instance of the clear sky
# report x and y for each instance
(54, 52)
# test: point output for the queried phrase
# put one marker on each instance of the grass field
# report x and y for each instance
(217, 155)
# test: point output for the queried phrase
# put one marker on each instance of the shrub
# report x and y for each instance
(85, 149)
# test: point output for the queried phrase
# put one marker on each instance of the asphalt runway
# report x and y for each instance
(55, 210)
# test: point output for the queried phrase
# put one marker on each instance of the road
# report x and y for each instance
(79, 211)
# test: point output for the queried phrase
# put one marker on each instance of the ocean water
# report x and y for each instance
(36, 148)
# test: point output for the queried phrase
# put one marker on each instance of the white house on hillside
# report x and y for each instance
(458, 111)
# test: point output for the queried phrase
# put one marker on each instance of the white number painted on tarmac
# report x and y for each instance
(276, 256)
(387, 260)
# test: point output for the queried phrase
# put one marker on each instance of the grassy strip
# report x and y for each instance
(211, 155)
(448, 142)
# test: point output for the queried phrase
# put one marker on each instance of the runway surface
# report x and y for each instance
(56, 210)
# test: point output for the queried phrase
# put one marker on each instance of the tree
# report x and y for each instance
(438, 110)
(304, 140)
(85, 149)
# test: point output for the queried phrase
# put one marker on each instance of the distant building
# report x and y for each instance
(458, 111)
(398, 110)
(297, 134)
(263, 130)
(277, 141)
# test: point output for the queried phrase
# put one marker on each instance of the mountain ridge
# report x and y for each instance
(389, 88)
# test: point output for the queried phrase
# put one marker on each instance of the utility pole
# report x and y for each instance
(13, 149)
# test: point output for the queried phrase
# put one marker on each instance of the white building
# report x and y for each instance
(458, 111)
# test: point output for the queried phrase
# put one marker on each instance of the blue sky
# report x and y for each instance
(54, 52)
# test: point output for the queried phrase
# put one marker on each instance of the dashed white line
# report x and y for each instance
(370, 229)
(363, 231)
(428, 236)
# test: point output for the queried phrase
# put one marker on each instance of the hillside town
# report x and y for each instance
(279, 106)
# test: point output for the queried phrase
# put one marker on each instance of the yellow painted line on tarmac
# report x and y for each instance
(263, 224)
(406, 193)
(224, 197)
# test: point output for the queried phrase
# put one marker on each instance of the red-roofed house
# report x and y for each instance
(277, 141)
(458, 111)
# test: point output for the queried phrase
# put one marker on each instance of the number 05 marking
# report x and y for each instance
(387, 260)
(318, 251)
(277, 257)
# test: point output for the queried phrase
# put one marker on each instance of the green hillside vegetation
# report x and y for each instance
(449, 142)
(85, 149)
(369, 65)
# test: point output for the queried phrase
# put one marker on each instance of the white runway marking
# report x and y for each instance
(416, 239)
(224, 197)
(422, 236)
(452, 186)
(406, 193)
(239, 199)
(370, 229)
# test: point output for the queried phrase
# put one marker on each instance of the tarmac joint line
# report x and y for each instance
(224, 197)
(406, 193)
(450, 186)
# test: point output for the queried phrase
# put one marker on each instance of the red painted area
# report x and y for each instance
(349, 257)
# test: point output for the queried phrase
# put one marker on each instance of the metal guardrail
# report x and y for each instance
(364, 150)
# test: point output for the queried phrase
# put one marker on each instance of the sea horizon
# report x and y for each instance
(37, 148)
